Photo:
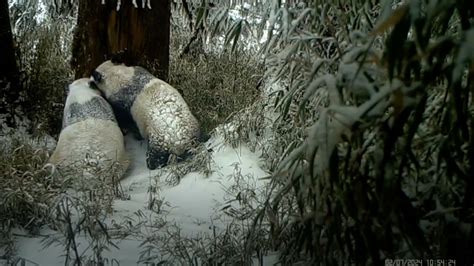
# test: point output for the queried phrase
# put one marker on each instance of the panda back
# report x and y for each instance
(92, 146)
(124, 97)
(94, 108)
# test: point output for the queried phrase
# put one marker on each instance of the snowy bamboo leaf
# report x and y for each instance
(233, 34)
(392, 20)
(317, 65)
(327, 80)
(291, 158)
(296, 23)
(271, 28)
(285, 20)
(353, 78)
(378, 97)
(219, 20)
(321, 143)
(288, 51)
(201, 14)
(346, 115)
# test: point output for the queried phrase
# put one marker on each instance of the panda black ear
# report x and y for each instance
(96, 76)
(121, 57)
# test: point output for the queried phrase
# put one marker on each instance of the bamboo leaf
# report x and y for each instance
(391, 21)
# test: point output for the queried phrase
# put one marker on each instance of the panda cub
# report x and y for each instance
(90, 131)
(162, 116)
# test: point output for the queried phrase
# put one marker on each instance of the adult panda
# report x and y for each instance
(162, 116)
(90, 140)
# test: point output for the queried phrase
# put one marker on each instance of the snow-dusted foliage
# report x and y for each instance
(364, 124)
(368, 168)
(26, 185)
(43, 35)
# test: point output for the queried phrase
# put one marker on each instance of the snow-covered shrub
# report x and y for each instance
(225, 243)
(35, 194)
(373, 148)
(215, 85)
(27, 186)
(270, 126)
(383, 170)
(224, 247)
(80, 218)
(43, 47)
(200, 162)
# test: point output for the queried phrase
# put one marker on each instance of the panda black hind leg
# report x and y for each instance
(156, 157)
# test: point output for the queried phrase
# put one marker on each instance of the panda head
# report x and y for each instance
(81, 90)
(110, 77)
(82, 86)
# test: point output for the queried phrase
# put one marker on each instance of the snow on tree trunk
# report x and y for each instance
(103, 31)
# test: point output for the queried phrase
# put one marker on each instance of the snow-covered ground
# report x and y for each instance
(194, 204)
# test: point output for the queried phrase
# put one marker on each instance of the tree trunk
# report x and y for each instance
(9, 73)
(102, 32)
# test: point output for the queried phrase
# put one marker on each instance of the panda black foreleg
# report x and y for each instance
(156, 157)
(126, 122)
(133, 129)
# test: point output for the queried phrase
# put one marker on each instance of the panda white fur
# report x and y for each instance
(162, 116)
(90, 134)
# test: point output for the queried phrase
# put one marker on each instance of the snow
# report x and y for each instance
(194, 204)
(31, 249)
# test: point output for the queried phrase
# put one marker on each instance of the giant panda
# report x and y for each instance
(162, 116)
(90, 141)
